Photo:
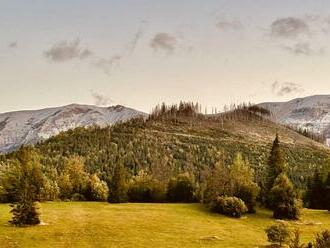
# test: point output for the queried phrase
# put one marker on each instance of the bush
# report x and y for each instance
(278, 234)
(295, 240)
(144, 188)
(25, 213)
(248, 193)
(77, 197)
(230, 206)
(322, 240)
(181, 189)
(235, 180)
(99, 190)
(74, 178)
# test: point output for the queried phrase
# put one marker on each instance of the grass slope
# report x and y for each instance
(92, 224)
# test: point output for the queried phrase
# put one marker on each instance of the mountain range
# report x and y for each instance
(310, 113)
(29, 127)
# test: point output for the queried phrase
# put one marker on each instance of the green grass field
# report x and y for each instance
(91, 224)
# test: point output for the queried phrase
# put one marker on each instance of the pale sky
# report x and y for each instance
(142, 52)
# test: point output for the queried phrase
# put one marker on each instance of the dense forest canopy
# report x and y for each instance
(174, 139)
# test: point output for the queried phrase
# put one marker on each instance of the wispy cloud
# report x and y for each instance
(303, 48)
(229, 24)
(164, 41)
(13, 44)
(136, 38)
(286, 88)
(289, 27)
(67, 50)
(100, 100)
(108, 65)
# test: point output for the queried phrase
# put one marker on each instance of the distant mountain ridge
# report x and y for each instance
(311, 113)
(30, 126)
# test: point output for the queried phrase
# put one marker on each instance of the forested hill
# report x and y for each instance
(173, 141)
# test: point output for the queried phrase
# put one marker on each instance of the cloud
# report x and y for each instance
(100, 100)
(289, 27)
(107, 65)
(300, 48)
(12, 44)
(132, 46)
(303, 48)
(136, 38)
(67, 50)
(233, 24)
(163, 41)
(286, 88)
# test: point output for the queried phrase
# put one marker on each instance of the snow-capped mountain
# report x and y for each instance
(28, 127)
(311, 113)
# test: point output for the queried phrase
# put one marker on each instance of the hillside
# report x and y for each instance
(165, 146)
(309, 113)
(28, 127)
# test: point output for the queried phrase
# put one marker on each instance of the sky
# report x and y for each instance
(139, 53)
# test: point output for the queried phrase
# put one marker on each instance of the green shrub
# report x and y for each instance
(181, 189)
(230, 206)
(25, 212)
(99, 190)
(143, 188)
(235, 180)
(278, 233)
(248, 194)
(322, 240)
(78, 197)
(295, 240)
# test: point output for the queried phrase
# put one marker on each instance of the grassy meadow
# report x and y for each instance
(94, 224)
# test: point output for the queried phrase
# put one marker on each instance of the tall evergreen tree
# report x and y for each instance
(285, 202)
(275, 166)
(118, 184)
(27, 184)
(327, 192)
(316, 192)
(276, 163)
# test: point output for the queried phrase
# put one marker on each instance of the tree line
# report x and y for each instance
(126, 162)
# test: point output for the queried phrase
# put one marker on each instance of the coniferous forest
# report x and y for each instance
(176, 155)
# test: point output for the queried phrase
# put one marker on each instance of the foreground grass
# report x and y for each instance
(90, 224)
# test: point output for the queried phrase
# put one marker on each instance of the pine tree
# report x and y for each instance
(284, 200)
(276, 163)
(118, 188)
(316, 192)
(327, 192)
(275, 166)
(28, 186)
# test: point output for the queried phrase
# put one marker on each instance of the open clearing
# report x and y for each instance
(94, 224)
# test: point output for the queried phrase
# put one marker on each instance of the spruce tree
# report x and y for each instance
(285, 202)
(316, 192)
(118, 188)
(27, 184)
(276, 163)
(275, 166)
(327, 192)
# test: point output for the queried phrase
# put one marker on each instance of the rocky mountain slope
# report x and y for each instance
(310, 113)
(28, 127)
